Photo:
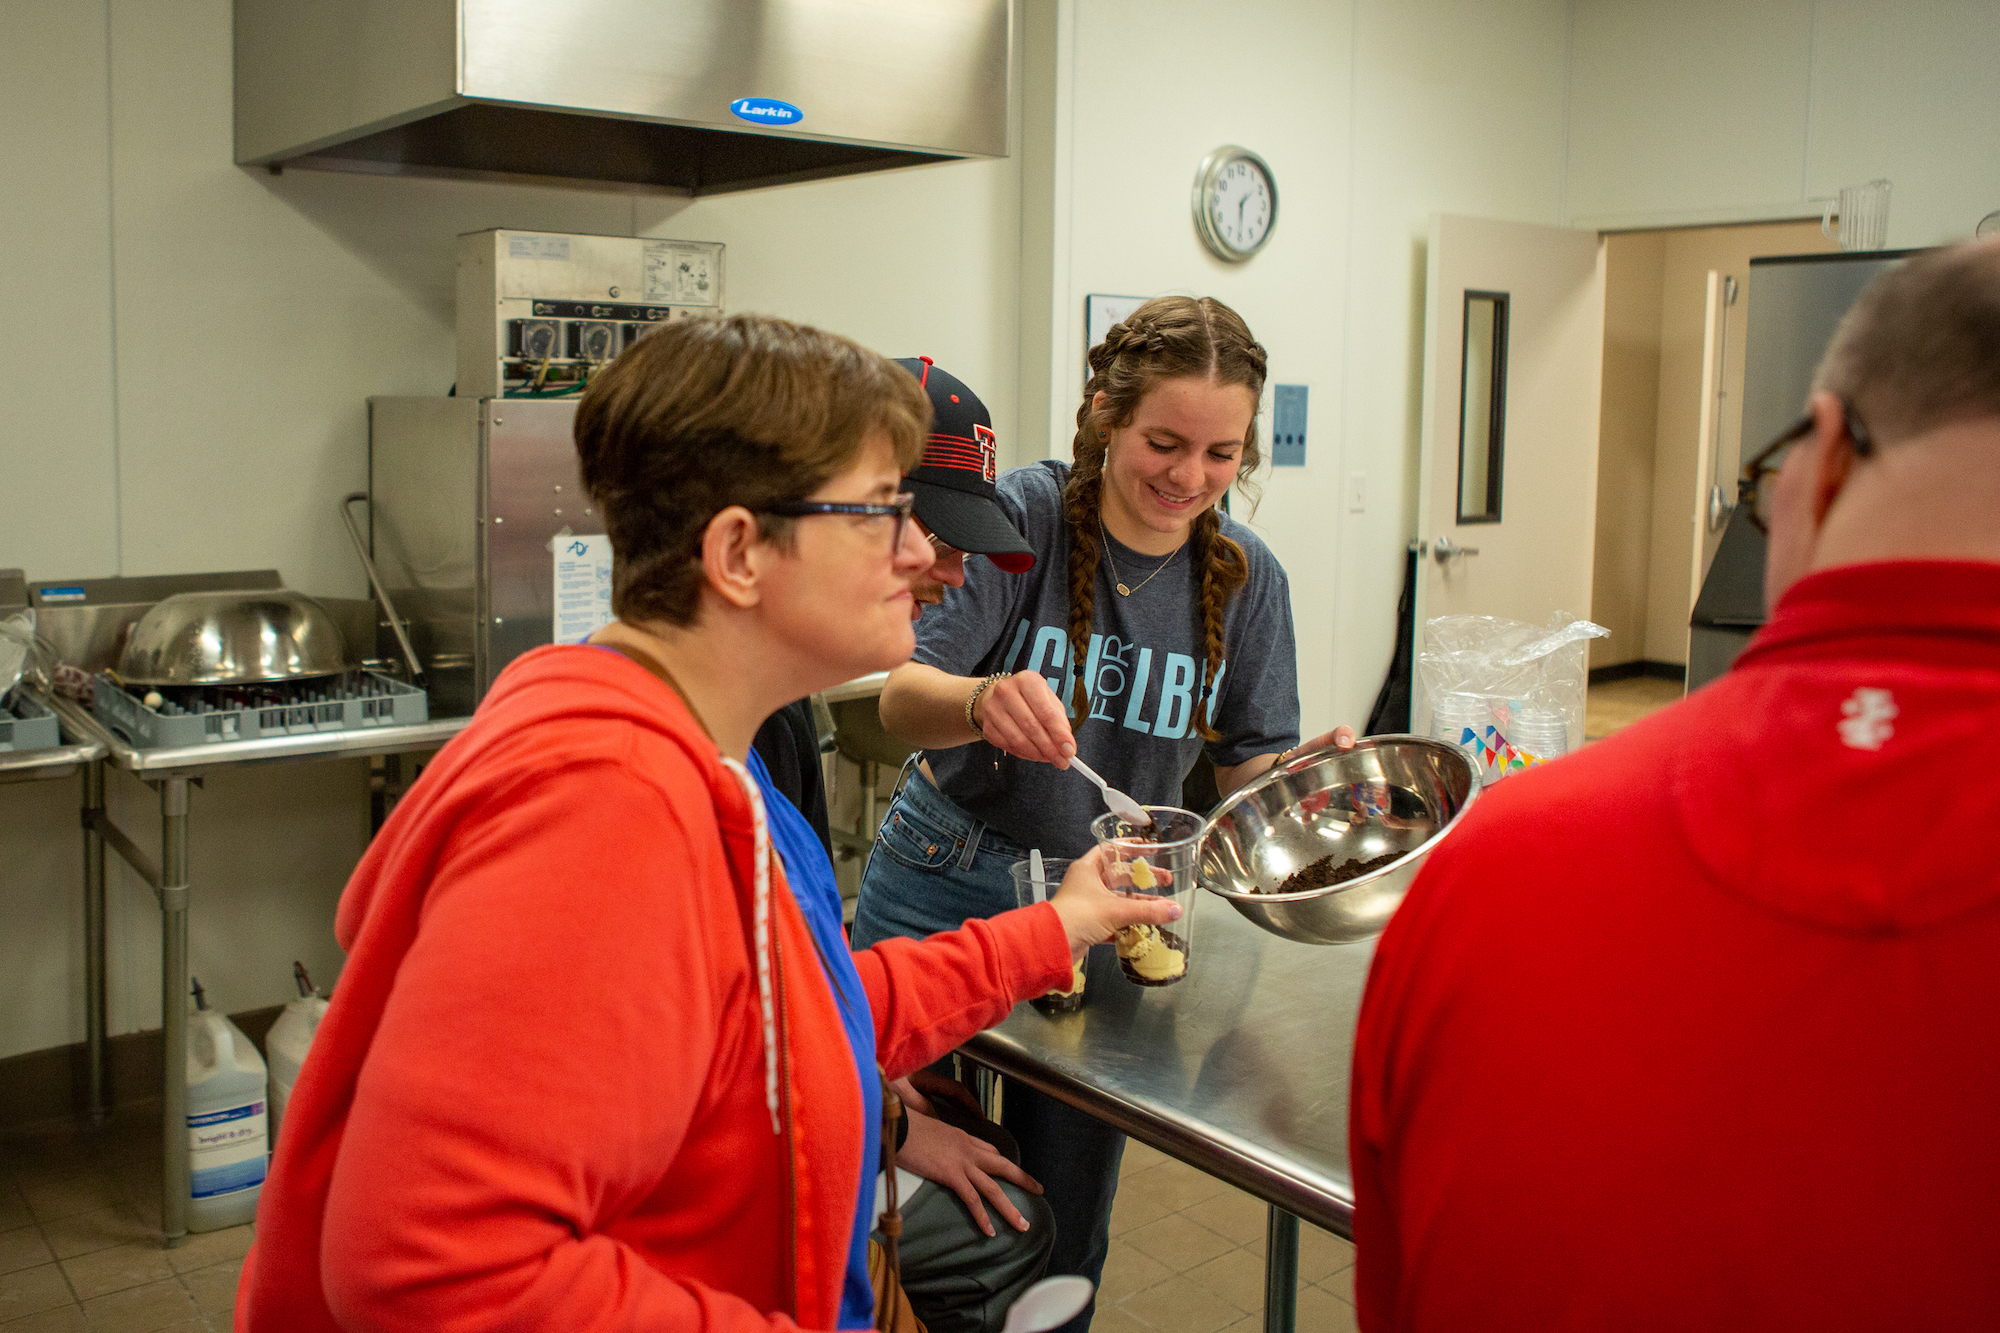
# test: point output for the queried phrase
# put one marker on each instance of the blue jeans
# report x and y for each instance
(934, 867)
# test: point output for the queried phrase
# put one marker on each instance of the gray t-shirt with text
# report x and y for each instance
(1145, 663)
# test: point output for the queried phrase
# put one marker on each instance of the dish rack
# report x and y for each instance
(26, 725)
(211, 715)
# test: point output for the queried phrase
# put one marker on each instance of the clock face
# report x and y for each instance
(1236, 203)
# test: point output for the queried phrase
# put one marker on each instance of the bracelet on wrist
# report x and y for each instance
(972, 701)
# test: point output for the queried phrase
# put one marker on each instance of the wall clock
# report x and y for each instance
(1235, 203)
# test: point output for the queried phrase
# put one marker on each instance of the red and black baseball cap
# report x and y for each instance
(953, 481)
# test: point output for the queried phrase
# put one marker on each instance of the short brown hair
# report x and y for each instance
(707, 413)
(1921, 348)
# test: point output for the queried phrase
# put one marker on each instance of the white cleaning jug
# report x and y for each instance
(289, 1040)
(227, 1143)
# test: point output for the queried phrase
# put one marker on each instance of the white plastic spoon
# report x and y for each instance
(1036, 876)
(1050, 1303)
(1117, 801)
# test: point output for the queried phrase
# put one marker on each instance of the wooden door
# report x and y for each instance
(1516, 311)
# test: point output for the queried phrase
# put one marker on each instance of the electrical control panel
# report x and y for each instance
(540, 312)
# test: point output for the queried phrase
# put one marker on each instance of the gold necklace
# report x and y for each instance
(1124, 591)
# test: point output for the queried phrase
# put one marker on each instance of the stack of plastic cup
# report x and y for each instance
(1452, 714)
(1541, 732)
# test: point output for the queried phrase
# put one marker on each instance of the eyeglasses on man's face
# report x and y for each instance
(898, 509)
(1759, 482)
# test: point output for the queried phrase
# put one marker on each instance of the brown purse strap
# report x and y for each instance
(890, 1224)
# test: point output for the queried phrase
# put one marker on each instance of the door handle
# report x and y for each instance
(1444, 548)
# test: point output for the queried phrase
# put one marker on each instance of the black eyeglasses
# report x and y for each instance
(1760, 475)
(898, 509)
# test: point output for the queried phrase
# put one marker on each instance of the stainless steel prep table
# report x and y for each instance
(80, 754)
(57, 761)
(169, 771)
(1239, 1070)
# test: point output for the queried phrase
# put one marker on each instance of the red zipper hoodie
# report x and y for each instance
(538, 1100)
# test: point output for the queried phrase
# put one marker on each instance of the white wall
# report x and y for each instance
(1628, 423)
(1744, 110)
(1458, 109)
(1156, 85)
(186, 349)
(1373, 115)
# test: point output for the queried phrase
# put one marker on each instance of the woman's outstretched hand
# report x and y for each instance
(1092, 912)
(1022, 716)
(1339, 738)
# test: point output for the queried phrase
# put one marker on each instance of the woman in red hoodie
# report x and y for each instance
(595, 1062)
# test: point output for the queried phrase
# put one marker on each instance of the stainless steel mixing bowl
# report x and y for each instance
(1389, 795)
(233, 638)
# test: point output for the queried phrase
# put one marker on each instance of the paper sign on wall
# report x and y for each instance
(583, 586)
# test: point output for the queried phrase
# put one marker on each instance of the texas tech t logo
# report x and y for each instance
(989, 465)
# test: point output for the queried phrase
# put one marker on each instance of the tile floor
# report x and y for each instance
(80, 1246)
(1187, 1256)
(80, 1239)
(1620, 703)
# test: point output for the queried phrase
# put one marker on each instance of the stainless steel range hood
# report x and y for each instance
(674, 96)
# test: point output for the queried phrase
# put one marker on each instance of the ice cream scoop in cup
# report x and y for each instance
(1156, 861)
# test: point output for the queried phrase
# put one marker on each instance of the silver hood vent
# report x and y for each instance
(673, 96)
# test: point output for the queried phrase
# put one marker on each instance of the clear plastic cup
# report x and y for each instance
(1053, 870)
(1154, 862)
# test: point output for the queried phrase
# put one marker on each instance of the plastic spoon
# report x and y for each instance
(1036, 878)
(1116, 801)
(1050, 1303)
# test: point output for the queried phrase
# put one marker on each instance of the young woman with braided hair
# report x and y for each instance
(1151, 629)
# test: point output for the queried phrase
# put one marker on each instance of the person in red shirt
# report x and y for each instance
(1694, 1029)
(596, 1061)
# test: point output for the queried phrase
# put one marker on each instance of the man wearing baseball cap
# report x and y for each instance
(953, 483)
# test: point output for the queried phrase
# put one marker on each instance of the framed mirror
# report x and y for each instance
(1482, 413)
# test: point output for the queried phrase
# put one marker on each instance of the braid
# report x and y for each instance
(1080, 507)
(1224, 570)
(1080, 500)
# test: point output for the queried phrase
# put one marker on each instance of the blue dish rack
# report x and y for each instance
(353, 701)
(26, 725)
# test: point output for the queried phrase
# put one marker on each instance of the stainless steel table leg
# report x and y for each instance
(93, 937)
(174, 1003)
(1281, 1271)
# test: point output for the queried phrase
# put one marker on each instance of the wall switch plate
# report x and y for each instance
(1288, 425)
(1357, 492)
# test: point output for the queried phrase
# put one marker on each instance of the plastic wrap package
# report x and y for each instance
(1507, 692)
(24, 655)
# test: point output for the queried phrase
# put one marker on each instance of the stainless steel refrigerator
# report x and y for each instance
(1795, 303)
(480, 531)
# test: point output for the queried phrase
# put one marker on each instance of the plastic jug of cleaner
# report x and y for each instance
(289, 1040)
(227, 1143)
